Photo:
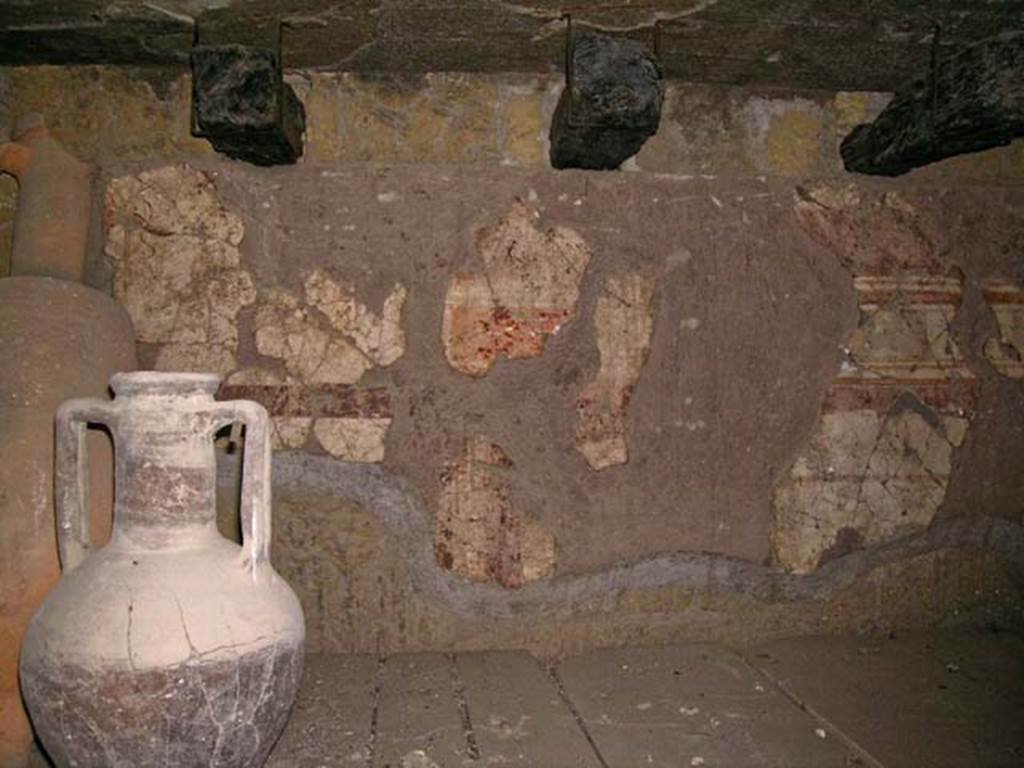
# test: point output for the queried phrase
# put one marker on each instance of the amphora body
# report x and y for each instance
(60, 339)
(170, 645)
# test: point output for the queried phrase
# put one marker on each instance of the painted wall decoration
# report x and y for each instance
(526, 292)
(879, 463)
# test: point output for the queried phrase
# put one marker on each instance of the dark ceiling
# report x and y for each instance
(835, 44)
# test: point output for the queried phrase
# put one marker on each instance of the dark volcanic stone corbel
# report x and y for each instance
(610, 106)
(970, 102)
(241, 104)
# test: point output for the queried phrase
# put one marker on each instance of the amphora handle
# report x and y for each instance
(255, 506)
(71, 475)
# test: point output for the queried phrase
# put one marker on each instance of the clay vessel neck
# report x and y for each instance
(51, 224)
(166, 468)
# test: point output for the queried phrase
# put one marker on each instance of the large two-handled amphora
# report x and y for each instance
(170, 645)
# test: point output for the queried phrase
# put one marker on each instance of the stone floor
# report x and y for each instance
(916, 699)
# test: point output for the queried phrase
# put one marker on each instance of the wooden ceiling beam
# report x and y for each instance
(828, 44)
(969, 102)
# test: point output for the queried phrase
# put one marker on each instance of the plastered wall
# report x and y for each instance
(729, 391)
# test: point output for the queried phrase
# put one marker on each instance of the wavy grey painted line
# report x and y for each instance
(394, 503)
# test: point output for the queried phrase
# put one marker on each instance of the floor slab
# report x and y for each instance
(696, 705)
(419, 722)
(935, 699)
(518, 716)
(914, 699)
(901, 699)
(994, 660)
(331, 722)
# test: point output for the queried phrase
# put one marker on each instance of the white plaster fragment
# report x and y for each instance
(478, 533)
(176, 266)
(287, 432)
(338, 350)
(290, 432)
(379, 337)
(1006, 350)
(527, 291)
(358, 439)
(870, 475)
(623, 324)
(878, 465)
(285, 330)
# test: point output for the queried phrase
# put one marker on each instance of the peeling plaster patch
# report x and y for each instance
(290, 432)
(287, 432)
(1006, 351)
(331, 340)
(905, 327)
(879, 463)
(288, 331)
(350, 423)
(870, 237)
(177, 269)
(356, 439)
(527, 292)
(623, 325)
(380, 338)
(866, 477)
(478, 534)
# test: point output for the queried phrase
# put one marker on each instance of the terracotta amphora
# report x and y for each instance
(170, 645)
(59, 339)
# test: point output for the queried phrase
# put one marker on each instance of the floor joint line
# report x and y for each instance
(378, 685)
(802, 705)
(459, 688)
(564, 696)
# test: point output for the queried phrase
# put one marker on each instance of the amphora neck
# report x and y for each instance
(166, 467)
